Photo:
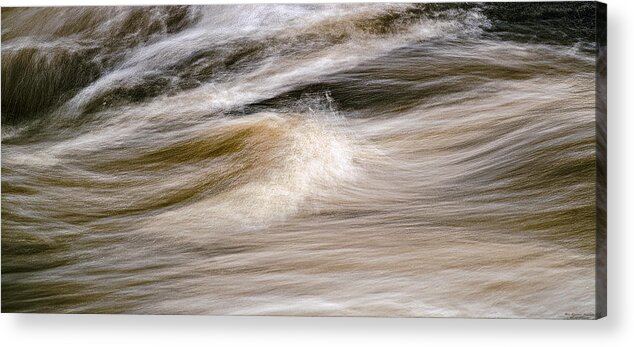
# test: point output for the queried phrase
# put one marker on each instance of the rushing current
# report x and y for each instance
(330, 159)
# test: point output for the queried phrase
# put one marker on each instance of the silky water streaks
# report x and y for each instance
(329, 159)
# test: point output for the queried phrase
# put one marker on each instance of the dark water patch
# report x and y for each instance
(410, 76)
(20, 296)
(560, 23)
(35, 80)
(151, 86)
(24, 251)
(236, 57)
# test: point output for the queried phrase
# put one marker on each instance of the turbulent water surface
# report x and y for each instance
(331, 159)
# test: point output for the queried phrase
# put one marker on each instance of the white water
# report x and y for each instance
(292, 159)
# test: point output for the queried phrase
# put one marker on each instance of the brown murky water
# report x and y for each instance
(410, 160)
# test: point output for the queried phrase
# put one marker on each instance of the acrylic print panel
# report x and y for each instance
(407, 160)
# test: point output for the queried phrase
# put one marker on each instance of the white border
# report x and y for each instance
(617, 329)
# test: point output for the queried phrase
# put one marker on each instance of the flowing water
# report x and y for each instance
(331, 159)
